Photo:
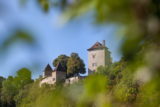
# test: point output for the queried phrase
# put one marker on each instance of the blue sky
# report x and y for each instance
(52, 37)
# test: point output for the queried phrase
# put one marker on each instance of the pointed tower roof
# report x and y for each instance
(59, 67)
(97, 45)
(48, 68)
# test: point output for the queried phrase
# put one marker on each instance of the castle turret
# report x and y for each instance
(47, 71)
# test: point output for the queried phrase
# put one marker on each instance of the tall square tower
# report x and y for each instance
(98, 55)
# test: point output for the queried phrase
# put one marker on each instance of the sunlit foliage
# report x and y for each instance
(75, 64)
(12, 85)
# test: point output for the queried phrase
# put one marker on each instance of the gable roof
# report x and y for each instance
(97, 45)
(48, 68)
(59, 67)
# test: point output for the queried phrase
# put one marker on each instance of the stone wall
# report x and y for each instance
(60, 76)
(96, 58)
(71, 80)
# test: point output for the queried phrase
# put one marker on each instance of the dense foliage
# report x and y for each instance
(63, 59)
(113, 85)
(1, 80)
(12, 86)
(73, 64)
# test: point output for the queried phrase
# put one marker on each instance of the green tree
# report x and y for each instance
(12, 85)
(108, 57)
(63, 59)
(75, 64)
(1, 80)
(23, 77)
(9, 90)
(113, 72)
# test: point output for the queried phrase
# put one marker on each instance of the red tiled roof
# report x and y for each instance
(97, 45)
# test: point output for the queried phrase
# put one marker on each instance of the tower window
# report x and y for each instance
(94, 64)
(93, 56)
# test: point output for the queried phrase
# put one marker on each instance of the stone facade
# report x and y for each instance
(72, 80)
(98, 55)
(58, 75)
(96, 58)
(48, 80)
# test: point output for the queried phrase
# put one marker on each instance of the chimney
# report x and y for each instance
(104, 43)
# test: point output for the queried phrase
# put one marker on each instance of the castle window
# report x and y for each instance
(93, 56)
(53, 79)
(94, 64)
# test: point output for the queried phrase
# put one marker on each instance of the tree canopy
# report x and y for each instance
(12, 85)
(63, 59)
(75, 64)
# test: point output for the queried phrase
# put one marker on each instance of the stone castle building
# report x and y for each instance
(58, 75)
(98, 55)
